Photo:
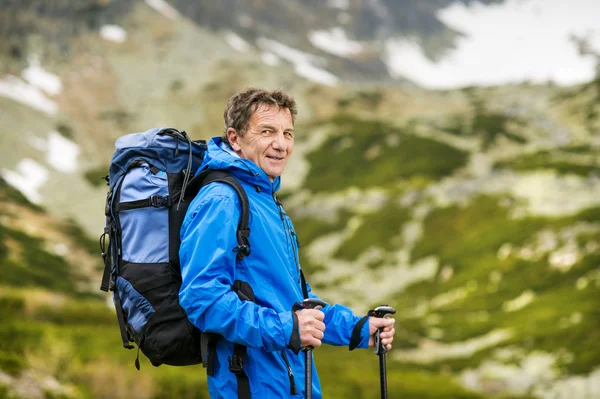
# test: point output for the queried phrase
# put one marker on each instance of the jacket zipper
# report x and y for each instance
(295, 237)
(293, 390)
(289, 234)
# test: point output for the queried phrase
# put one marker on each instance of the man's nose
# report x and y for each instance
(280, 143)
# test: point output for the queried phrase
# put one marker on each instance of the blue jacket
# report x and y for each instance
(209, 268)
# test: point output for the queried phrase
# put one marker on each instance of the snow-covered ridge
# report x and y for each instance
(39, 77)
(33, 90)
(519, 40)
(305, 64)
(17, 90)
(335, 41)
(236, 42)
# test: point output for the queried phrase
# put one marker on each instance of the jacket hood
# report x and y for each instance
(245, 170)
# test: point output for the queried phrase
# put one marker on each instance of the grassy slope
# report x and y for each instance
(50, 327)
(562, 319)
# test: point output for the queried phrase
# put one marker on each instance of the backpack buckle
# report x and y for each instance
(236, 364)
(158, 200)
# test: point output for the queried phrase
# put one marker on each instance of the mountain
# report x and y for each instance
(474, 211)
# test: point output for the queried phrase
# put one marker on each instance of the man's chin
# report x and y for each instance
(273, 175)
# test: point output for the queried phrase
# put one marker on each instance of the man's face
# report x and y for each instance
(268, 141)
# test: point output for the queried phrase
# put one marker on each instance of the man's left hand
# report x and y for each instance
(387, 335)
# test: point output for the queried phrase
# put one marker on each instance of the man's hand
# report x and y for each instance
(387, 335)
(312, 328)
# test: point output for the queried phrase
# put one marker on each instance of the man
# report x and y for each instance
(256, 146)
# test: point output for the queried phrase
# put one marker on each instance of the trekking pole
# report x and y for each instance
(382, 311)
(309, 303)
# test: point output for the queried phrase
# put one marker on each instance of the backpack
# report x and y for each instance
(150, 188)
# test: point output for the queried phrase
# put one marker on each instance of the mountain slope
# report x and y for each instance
(474, 212)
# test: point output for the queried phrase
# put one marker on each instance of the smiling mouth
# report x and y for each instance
(275, 158)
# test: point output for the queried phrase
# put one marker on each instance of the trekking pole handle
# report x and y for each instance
(383, 311)
(312, 303)
(309, 303)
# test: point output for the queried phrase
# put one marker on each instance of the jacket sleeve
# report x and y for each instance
(339, 324)
(208, 264)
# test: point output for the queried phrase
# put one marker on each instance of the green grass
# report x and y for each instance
(467, 238)
(579, 149)
(380, 229)
(74, 230)
(485, 124)
(96, 176)
(34, 266)
(355, 374)
(362, 153)
(78, 342)
(65, 130)
(546, 160)
(11, 194)
(589, 215)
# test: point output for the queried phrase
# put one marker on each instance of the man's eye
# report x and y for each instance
(289, 134)
(266, 132)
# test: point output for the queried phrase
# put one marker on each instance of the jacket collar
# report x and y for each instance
(221, 156)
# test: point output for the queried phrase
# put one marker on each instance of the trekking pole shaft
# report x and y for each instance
(309, 303)
(308, 373)
(383, 373)
(382, 311)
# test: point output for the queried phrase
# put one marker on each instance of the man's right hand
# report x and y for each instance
(312, 328)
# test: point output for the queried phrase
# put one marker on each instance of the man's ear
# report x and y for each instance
(232, 137)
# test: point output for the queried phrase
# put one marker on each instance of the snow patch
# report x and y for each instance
(536, 369)
(315, 74)
(17, 90)
(335, 41)
(304, 63)
(340, 4)
(164, 8)
(236, 42)
(28, 178)
(62, 153)
(40, 78)
(113, 33)
(269, 58)
(538, 47)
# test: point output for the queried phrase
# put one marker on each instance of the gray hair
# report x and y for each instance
(241, 106)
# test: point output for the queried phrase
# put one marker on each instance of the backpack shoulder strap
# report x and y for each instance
(223, 176)
(236, 361)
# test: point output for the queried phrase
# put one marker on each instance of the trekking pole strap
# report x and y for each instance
(355, 338)
(295, 342)
(303, 282)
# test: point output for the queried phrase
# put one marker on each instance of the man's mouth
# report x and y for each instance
(275, 158)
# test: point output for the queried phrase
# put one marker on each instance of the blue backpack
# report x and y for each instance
(151, 185)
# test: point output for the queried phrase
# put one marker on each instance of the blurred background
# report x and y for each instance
(446, 163)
